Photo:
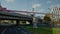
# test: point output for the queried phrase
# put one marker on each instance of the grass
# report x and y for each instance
(56, 30)
(44, 30)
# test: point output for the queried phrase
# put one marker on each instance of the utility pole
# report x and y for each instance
(34, 19)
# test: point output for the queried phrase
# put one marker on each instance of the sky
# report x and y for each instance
(27, 5)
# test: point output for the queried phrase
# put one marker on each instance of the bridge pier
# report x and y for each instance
(17, 22)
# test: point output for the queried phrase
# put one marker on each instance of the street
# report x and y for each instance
(14, 30)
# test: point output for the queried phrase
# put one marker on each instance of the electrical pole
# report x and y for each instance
(34, 19)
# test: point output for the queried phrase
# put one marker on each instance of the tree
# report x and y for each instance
(47, 19)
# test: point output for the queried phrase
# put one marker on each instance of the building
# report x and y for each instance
(11, 17)
(55, 14)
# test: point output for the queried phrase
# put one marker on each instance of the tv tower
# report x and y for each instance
(0, 3)
(1, 8)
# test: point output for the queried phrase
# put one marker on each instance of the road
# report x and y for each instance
(14, 30)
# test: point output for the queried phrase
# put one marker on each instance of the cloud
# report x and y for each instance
(49, 1)
(24, 10)
(42, 10)
(21, 13)
(9, 0)
(56, 5)
(36, 5)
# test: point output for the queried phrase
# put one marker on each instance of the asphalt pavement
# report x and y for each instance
(15, 30)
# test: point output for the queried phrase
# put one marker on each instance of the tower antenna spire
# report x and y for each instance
(0, 3)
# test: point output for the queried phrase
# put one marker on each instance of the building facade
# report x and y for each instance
(12, 18)
(55, 17)
(55, 13)
(9, 17)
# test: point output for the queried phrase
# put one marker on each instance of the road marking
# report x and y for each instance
(4, 30)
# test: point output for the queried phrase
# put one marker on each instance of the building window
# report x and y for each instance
(59, 8)
(53, 9)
